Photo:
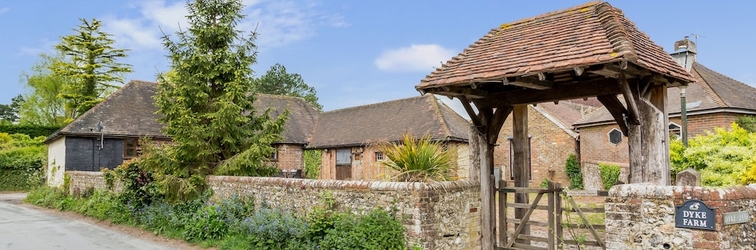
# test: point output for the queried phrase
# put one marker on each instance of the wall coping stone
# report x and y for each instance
(653, 191)
(350, 185)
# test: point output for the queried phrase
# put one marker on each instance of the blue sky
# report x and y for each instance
(359, 52)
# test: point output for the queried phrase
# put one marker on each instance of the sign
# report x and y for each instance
(695, 214)
(735, 217)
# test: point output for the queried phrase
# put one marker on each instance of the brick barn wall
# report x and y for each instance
(699, 124)
(290, 156)
(550, 147)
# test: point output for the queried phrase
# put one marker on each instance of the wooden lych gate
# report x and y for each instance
(591, 50)
(561, 213)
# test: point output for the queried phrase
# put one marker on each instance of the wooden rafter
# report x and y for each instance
(528, 82)
(618, 111)
(499, 117)
(558, 92)
(632, 107)
(470, 112)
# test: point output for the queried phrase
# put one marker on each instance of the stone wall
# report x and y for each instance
(642, 216)
(592, 174)
(440, 215)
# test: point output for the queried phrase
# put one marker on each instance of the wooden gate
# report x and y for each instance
(559, 223)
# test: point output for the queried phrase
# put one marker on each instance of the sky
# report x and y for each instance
(358, 52)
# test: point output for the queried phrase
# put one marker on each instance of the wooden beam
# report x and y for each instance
(592, 88)
(521, 159)
(615, 107)
(470, 112)
(527, 82)
(499, 117)
(632, 106)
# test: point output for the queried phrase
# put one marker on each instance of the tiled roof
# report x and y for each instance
(568, 112)
(302, 116)
(130, 112)
(590, 34)
(711, 90)
(389, 121)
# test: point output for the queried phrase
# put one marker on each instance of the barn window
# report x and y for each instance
(615, 136)
(379, 156)
(675, 130)
(274, 155)
(131, 148)
(511, 159)
(343, 156)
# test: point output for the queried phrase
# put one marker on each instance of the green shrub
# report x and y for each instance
(377, 230)
(206, 224)
(609, 174)
(28, 129)
(723, 157)
(418, 160)
(313, 160)
(275, 229)
(574, 172)
(22, 161)
(747, 122)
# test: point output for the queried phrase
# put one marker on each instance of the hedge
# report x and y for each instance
(28, 129)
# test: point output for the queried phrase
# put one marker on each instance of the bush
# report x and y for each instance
(609, 174)
(747, 122)
(28, 129)
(22, 160)
(206, 224)
(574, 172)
(313, 160)
(723, 157)
(275, 229)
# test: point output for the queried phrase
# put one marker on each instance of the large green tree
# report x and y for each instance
(207, 104)
(277, 81)
(93, 62)
(9, 112)
(43, 104)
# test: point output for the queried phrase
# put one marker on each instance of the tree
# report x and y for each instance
(43, 104)
(9, 112)
(93, 63)
(207, 104)
(277, 81)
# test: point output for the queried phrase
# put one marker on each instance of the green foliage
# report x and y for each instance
(207, 104)
(609, 174)
(277, 81)
(418, 160)
(42, 103)
(92, 63)
(747, 122)
(234, 223)
(9, 112)
(574, 172)
(22, 160)
(723, 157)
(139, 189)
(313, 161)
(32, 130)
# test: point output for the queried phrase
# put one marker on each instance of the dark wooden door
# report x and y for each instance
(343, 172)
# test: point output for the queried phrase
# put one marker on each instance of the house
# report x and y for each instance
(348, 136)
(109, 133)
(552, 140)
(713, 100)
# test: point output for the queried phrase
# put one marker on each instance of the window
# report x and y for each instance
(379, 156)
(274, 155)
(344, 156)
(511, 159)
(675, 131)
(131, 148)
(615, 136)
(358, 156)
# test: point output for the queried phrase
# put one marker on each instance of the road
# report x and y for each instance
(24, 227)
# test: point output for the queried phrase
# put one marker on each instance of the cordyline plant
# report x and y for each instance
(417, 160)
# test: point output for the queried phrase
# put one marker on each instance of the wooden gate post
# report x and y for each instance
(648, 141)
(521, 160)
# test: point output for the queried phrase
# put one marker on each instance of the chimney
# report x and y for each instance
(685, 53)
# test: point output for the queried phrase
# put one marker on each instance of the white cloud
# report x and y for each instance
(3, 10)
(417, 57)
(278, 23)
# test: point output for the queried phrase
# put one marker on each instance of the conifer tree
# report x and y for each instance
(207, 104)
(277, 81)
(92, 62)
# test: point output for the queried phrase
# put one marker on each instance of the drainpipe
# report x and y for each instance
(683, 116)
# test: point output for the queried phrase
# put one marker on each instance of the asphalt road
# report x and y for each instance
(22, 227)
